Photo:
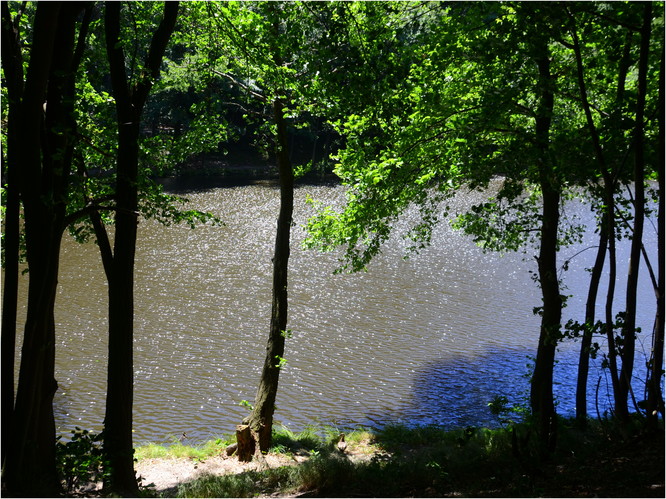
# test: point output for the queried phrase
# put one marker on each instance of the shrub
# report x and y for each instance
(80, 461)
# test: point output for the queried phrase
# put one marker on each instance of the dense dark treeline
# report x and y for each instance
(409, 100)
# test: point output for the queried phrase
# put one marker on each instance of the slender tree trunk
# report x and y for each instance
(655, 397)
(12, 63)
(610, 293)
(595, 277)
(541, 396)
(586, 341)
(260, 420)
(629, 327)
(118, 417)
(130, 101)
(610, 185)
(256, 432)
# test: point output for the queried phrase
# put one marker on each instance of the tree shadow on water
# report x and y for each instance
(455, 392)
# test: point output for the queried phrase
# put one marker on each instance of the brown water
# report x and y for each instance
(426, 340)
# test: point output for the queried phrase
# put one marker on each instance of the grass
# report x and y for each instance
(313, 439)
(399, 461)
(177, 449)
(427, 461)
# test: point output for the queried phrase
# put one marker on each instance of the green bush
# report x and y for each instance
(80, 461)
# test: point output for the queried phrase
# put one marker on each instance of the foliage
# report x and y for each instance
(505, 413)
(80, 460)
(427, 98)
(459, 109)
(161, 150)
(247, 404)
(499, 92)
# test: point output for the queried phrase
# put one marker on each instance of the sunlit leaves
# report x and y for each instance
(165, 208)
(458, 106)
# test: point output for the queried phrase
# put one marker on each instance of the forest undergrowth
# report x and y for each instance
(398, 461)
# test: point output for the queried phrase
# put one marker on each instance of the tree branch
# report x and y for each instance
(90, 143)
(158, 45)
(240, 84)
(86, 211)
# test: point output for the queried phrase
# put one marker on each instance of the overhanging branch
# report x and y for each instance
(240, 84)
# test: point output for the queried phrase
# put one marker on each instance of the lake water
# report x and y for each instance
(430, 339)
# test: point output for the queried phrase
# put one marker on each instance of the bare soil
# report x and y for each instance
(164, 475)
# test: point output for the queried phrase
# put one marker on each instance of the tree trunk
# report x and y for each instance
(118, 448)
(610, 185)
(46, 147)
(586, 341)
(260, 420)
(246, 445)
(629, 326)
(12, 64)
(610, 293)
(120, 382)
(595, 277)
(541, 396)
(655, 397)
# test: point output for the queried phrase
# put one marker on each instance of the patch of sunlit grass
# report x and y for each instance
(178, 449)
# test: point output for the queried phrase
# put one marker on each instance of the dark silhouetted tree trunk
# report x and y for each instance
(595, 277)
(610, 293)
(586, 341)
(655, 397)
(12, 63)
(609, 188)
(130, 100)
(629, 327)
(45, 155)
(541, 396)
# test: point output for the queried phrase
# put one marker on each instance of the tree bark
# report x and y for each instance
(595, 277)
(130, 101)
(655, 398)
(260, 420)
(629, 326)
(541, 396)
(45, 154)
(610, 185)
(610, 293)
(12, 63)
(586, 341)
(246, 445)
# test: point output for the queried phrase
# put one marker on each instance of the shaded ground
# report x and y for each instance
(631, 469)
(602, 469)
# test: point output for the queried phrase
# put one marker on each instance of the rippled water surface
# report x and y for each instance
(426, 340)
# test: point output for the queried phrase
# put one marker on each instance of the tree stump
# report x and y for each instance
(246, 443)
